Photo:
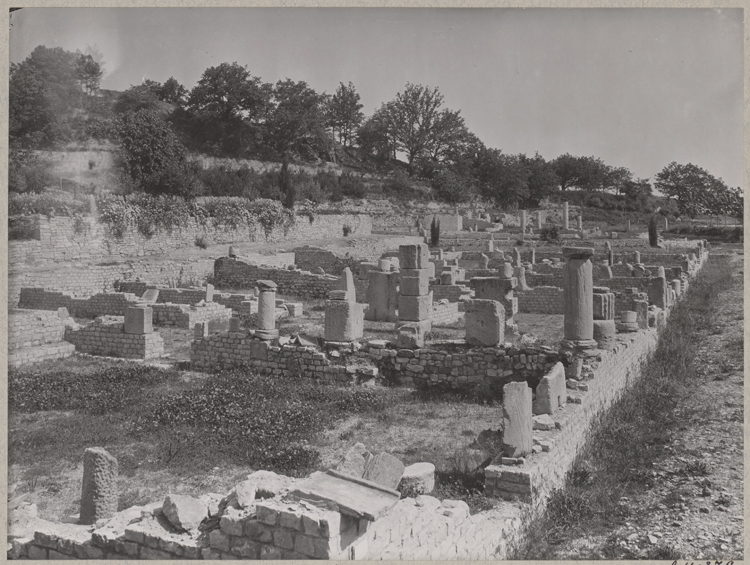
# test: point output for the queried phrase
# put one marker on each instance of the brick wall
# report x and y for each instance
(540, 300)
(66, 239)
(186, 316)
(445, 314)
(106, 336)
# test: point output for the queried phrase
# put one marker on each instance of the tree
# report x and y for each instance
(541, 181)
(226, 110)
(502, 178)
(173, 92)
(452, 187)
(140, 97)
(695, 189)
(344, 113)
(637, 191)
(412, 117)
(296, 124)
(586, 173)
(88, 73)
(374, 136)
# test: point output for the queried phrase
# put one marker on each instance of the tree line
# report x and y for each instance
(54, 95)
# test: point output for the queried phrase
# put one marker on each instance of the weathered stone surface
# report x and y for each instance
(415, 256)
(138, 320)
(550, 392)
(269, 484)
(344, 321)
(355, 461)
(604, 306)
(382, 296)
(99, 494)
(414, 282)
(245, 492)
(346, 283)
(517, 414)
(578, 284)
(543, 422)
(184, 512)
(384, 469)
(234, 324)
(266, 317)
(150, 296)
(411, 335)
(414, 308)
(418, 478)
(604, 334)
(485, 322)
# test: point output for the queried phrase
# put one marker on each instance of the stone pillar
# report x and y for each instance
(566, 217)
(266, 325)
(344, 319)
(677, 287)
(627, 226)
(382, 294)
(666, 223)
(516, 257)
(637, 257)
(517, 419)
(346, 282)
(485, 322)
(523, 221)
(209, 293)
(414, 297)
(580, 223)
(99, 491)
(491, 244)
(604, 318)
(139, 320)
(578, 284)
(507, 271)
(539, 218)
(658, 292)
(533, 255)
(200, 330)
(628, 322)
(520, 274)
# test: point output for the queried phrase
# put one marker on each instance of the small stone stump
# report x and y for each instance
(517, 419)
(344, 319)
(99, 491)
(628, 322)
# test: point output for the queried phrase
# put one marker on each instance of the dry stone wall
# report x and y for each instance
(541, 300)
(106, 336)
(36, 336)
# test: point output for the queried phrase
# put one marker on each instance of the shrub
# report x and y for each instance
(28, 172)
(22, 228)
(28, 204)
(550, 234)
(347, 230)
(352, 185)
(200, 241)
(451, 187)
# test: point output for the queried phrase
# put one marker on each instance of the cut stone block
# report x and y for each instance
(150, 296)
(493, 288)
(417, 479)
(517, 424)
(99, 494)
(604, 306)
(344, 320)
(384, 469)
(355, 461)
(448, 277)
(209, 293)
(414, 256)
(543, 422)
(414, 308)
(411, 335)
(414, 282)
(295, 309)
(346, 283)
(550, 392)
(485, 322)
(382, 296)
(63, 314)
(184, 512)
(234, 324)
(200, 330)
(139, 321)
(604, 334)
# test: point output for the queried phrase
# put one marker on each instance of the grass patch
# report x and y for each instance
(617, 460)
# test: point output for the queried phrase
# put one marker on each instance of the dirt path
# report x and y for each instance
(694, 510)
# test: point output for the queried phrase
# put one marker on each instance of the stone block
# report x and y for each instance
(150, 296)
(184, 512)
(551, 392)
(234, 324)
(485, 322)
(346, 283)
(200, 330)
(517, 423)
(448, 277)
(344, 320)
(384, 469)
(414, 282)
(414, 308)
(139, 320)
(99, 494)
(414, 256)
(604, 305)
(382, 296)
(417, 479)
(295, 309)
(355, 461)
(411, 335)
(493, 288)
(604, 334)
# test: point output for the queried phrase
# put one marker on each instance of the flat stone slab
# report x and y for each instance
(359, 498)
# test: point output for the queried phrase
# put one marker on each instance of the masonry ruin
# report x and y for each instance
(608, 297)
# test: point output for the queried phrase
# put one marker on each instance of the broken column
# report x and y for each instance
(485, 322)
(99, 491)
(578, 286)
(414, 298)
(539, 218)
(551, 392)
(604, 317)
(517, 422)
(580, 223)
(344, 319)
(382, 293)
(566, 217)
(628, 322)
(346, 282)
(677, 287)
(500, 289)
(658, 292)
(209, 293)
(266, 324)
(523, 221)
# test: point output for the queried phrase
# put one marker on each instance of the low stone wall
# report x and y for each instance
(66, 239)
(36, 336)
(452, 293)
(106, 336)
(445, 314)
(310, 258)
(540, 300)
(186, 316)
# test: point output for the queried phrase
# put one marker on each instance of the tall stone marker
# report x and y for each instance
(346, 282)
(99, 491)
(578, 291)
(517, 422)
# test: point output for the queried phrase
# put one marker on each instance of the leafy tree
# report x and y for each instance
(140, 97)
(452, 187)
(586, 173)
(296, 124)
(344, 113)
(637, 191)
(502, 178)
(27, 171)
(695, 189)
(541, 181)
(226, 110)
(88, 73)
(412, 117)
(374, 136)
(173, 92)
(149, 149)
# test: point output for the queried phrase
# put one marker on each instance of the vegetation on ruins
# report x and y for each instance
(435, 231)
(54, 98)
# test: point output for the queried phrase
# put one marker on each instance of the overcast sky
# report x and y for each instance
(637, 88)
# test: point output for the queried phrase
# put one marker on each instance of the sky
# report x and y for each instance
(638, 88)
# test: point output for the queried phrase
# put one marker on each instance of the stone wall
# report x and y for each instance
(310, 258)
(186, 316)
(66, 239)
(540, 300)
(36, 336)
(452, 292)
(444, 314)
(106, 336)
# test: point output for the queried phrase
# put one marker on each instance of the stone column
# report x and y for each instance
(604, 317)
(677, 287)
(637, 257)
(578, 284)
(539, 219)
(517, 419)
(627, 226)
(344, 319)
(414, 298)
(99, 491)
(566, 217)
(533, 255)
(580, 223)
(266, 325)
(666, 223)
(523, 221)
(516, 257)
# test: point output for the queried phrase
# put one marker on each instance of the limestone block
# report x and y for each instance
(209, 293)
(99, 491)
(234, 324)
(414, 308)
(344, 320)
(384, 469)
(355, 461)
(417, 479)
(485, 322)
(259, 349)
(150, 296)
(295, 309)
(604, 305)
(382, 296)
(517, 423)
(200, 330)
(411, 335)
(448, 277)
(346, 283)
(184, 512)
(414, 256)
(604, 333)
(677, 287)
(139, 320)
(431, 270)
(414, 282)
(493, 288)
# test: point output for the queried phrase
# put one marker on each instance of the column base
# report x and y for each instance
(580, 347)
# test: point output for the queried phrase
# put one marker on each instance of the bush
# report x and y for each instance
(451, 187)
(352, 185)
(347, 230)
(550, 234)
(47, 204)
(200, 241)
(22, 228)
(27, 172)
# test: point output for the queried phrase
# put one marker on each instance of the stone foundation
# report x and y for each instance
(106, 336)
